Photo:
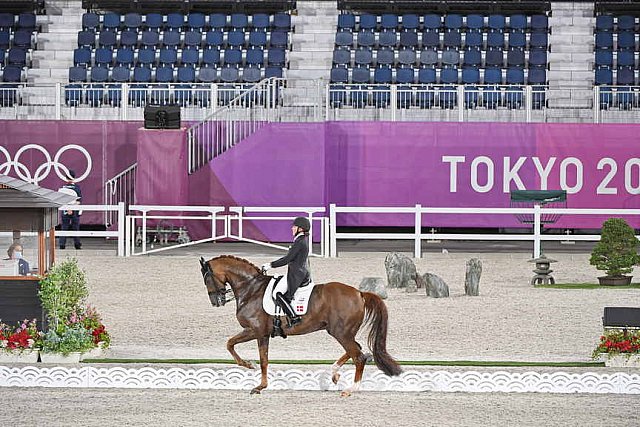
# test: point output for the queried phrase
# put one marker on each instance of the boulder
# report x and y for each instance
(374, 285)
(400, 270)
(436, 287)
(472, 277)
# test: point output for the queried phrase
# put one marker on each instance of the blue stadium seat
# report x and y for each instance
(538, 97)
(604, 40)
(239, 21)
(473, 39)
(7, 21)
(211, 56)
(359, 96)
(128, 38)
(341, 56)
(214, 38)
(539, 22)
(258, 38)
(471, 94)
(12, 74)
(5, 39)
(492, 76)
(339, 75)
(475, 22)
(196, 21)
(103, 56)
(606, 97)
(251, 74)
(409, 38)
(125, 56)
(193, 38)
(538, 39)
(624, 97)
(449, 75)
(344, 38)
(405, 75)
(387, 38)
(171, 38)
(120, 74)
(494, 58)
(431, 38)
(100, 74)
(82, 56)
(366, 38)
(90, 21)
(132, 21)
(26, 21)
(229, 74)
(604, 76)
(625, 58)
(452, 38)
(432, 21)
(470, 75)
(182, 93)
(626, 40)
(368, 22)
(381, 96)
(107, 38)
(232, 57)
(410, 21)
(538, 57)
(186, 74)
(389, 21)
(146, 56)
(626, 23)
(175, 21)
(346, 21)
(497, 22)
(451, 57)
(472, 56)
(138, 94)
(273, 71)
(495, 39)
(150, 38)
(217, 21)
(385, 56)
(17, 56)
(515, 57)
(406, 56)
(279, 39)
(111, 21)
(514, 97)
(515, 76)
(77, 74)
(624, 76)
(517, 39)
(114, 94)
(360, 75)
(425, 96)
(164, 74)
(140, 74)
(448, 97)
(427, 75)
(95, 95)
(168, 55)
(190, 56)
(537, 75)
(260, 21)
(282, 21)
(337, 95)
(453, 21)
(207, 75)
(86, 38)
(518, 22)
(154, 21)
(276, 56)
(255, 57)
(73, 95)
(382, 75)
(429, 57)
(604, 23)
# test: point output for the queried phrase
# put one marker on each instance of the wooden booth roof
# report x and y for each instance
(15, 193)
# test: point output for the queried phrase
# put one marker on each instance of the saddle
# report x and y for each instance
(299, 303)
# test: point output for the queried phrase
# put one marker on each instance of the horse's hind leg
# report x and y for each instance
(244, 336)
(335, 375)
(354, 352)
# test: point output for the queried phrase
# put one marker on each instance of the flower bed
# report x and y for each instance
(620, 348)
(20, 343)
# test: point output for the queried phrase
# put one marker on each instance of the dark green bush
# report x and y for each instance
(617, 251)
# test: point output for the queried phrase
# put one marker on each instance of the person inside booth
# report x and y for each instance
(15, 253)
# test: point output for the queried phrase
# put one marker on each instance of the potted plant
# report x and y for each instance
(20, 343)
(622, 348)
(616, 253)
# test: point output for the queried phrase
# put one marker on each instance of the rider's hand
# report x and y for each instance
(266, 266)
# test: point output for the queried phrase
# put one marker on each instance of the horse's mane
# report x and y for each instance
(238, 259)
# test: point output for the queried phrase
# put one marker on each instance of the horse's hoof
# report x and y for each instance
(255, 391)
(335, 378)
(248, 365)
(345, 393)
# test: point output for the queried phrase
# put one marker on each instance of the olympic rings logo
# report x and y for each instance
(44, 169)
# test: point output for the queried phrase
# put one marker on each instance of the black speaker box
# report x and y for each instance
(162, 116)
(621, 317)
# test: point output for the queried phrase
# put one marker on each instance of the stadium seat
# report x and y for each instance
(625, 58)
(449, 75)
(5, 39)
(515, 57)
(344, 38)
(359, 96)
(381, 96)
(363, 56)
(406, 57)
(427, 75)
(17, 56)
(196, 21)
(409, 38)
(120, 74)
(626, 40)
(539, 22)
(255, 57)
(367, 22)
(495, 39)
(26, 21)
(183, 94)
(471, 95)
(339, 75)
(128, 38)
(497, 22)
(447, 97)
(405, 76)
(282, 21)
(385, 56)
(90, 21)
(111, 21)
(107, 38)
(260, 21)
(232, 57)
(12, 74)
(360, 75)
(475, 22)
(429, 57)
(114, 94)
(82, 56)
(538, 97)
(624, 76)
(604, 40)
(211, 57)
(624, 97)
(453, 21)
(273, 71)
(132, 21)
(140, 74)
(425, 97)
(389, 21)
(410, 21)
(235, 38)
(168, 55)
(138, 94)
(73, 95)
(7, 21)
(207, 75)
(517, 39)
(604, 23)
(537, 76)
(494, 58)
(276, 56)
(153, 21)
(431, 39)
(604, 77)
(518, 22)
(492, 76)
(346, 21)
(366, 38)
(473, 39)
(626, 23)
(146, 56)
(77, 74)
(341, 56)
(193, 38)
(164, 74)
(515, 76)
(86, 38)
(452, 38)
(190, 56)
(171, 38)
(150, 38)
(387, 38)
(251, 74)
(214, 38)
(451, 57)
(103, 56)
(472, 56)
(125, 56)
(278, 39)
(538, 57)
(100, 74)
(432, 21)
(514, 97)
(382, 75)
(229, 74)
(186, 74)
(470, 75)
(217, 21)
(175, 21)
(539, 39)
(95, 95)
(258, 38)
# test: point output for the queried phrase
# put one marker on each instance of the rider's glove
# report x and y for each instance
(266, 266)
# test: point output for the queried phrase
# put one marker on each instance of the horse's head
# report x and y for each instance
(215, 283)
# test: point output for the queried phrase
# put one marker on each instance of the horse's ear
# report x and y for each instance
(202, 262)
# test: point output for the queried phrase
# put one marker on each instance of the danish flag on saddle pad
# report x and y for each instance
(300, 302)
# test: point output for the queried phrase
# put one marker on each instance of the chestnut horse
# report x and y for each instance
(336, 307)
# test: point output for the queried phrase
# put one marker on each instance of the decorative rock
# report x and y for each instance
(472, 277)
(436, 287)
(412, 286)
(400, 270)
(374, 285)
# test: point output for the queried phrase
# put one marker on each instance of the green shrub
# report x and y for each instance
(67, 339)
(62, 291)
(617, 251)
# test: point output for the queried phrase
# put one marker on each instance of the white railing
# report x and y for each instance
(418, 211)
(242, 115)
(120, 188)
(118, 233)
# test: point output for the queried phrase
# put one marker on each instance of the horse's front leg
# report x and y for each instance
(263, 347)
(244, 336)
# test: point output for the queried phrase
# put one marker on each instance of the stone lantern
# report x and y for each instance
(543, 271)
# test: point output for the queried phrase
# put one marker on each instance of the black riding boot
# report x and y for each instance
(293, 318)
(277, 330)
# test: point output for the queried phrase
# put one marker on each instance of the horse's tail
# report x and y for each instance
(376, 317)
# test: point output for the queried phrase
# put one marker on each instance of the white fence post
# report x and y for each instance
(332, 233)
(121, 229)
(536, 231)
(417, 246)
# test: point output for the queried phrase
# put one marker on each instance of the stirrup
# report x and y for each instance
(292, 321)
(277, 330)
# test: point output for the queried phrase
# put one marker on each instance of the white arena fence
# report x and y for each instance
(133, 229)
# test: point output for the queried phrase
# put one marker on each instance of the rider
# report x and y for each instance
(297, 264)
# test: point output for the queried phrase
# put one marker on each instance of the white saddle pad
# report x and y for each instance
(300, 301)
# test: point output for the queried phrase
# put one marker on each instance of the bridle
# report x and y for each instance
(220, 293)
